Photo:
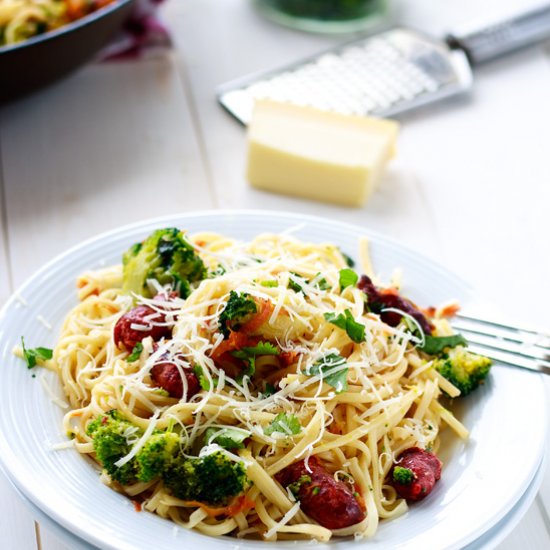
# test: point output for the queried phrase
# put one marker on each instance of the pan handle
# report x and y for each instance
(489, 41)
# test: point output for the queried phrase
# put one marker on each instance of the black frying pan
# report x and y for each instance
(28, 65)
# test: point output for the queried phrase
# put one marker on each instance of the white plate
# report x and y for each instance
(487, 541)
(482, 479)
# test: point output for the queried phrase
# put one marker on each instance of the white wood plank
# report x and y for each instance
(4, 264)
(50, 541)
(531, 533)
(17, 527)
(111, 145)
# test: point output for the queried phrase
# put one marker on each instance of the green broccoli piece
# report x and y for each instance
(404, 476)
(159, 451)
(167, 256)
(113, 438)
(463, 369)
(214, 479)
(237, 311)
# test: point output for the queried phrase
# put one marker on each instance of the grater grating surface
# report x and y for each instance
(382, 75)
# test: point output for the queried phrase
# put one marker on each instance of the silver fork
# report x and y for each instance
(509, 344)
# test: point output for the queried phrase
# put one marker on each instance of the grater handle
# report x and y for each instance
(489, 41)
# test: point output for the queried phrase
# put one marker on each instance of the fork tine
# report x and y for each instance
(508, 344)
(503, 332)
(514, 346)
(510, 359)
(504, 326)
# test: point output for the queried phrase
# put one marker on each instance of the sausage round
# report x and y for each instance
(167, 376)
(330, 503)
(426, 469)
(142, 316)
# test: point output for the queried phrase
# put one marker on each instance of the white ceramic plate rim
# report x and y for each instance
(447, 495)
(487, 541)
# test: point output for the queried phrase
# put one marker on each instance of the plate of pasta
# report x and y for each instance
(255, 378)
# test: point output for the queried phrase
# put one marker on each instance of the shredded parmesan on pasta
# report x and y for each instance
(355, 414)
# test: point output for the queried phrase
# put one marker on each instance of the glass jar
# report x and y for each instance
(333, 16)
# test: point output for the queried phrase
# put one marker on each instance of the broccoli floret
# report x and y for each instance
(237, 310)
(113, 437)
(159, 451)
(166, 256)
(463, 369)
(403, 475)
(214, 479)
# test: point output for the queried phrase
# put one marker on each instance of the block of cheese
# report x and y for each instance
(315, 154)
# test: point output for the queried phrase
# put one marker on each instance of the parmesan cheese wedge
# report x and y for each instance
(309, 153)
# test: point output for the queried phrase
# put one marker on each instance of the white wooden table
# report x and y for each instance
(120, 142)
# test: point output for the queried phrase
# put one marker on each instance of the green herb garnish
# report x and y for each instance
(136, 352)
(348, 277)
(329, 368)
(345, 321)
(228, 438)
(31, 356)
(287, 424)
(434, 345)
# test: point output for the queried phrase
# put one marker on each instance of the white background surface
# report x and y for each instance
(120, 142)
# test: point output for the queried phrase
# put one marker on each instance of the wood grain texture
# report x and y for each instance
(113, 144)
(5, 284)
(17, 528)
(50, 541)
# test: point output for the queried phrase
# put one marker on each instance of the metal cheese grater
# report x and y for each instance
(388, 73)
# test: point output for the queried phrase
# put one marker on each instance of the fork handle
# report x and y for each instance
(489, 41)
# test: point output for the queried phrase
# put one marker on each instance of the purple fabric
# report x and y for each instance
(142, 34)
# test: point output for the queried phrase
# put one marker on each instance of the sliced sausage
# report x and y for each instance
(426, 469)
(137, 324)
(167, 376)
(379, 300)
(330, 503)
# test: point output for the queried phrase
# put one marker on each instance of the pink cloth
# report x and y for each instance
(142, 34)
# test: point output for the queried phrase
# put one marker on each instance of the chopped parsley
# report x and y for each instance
(287, 424)
(203, 380)
(249, 354)
(228, 438)
(349, 260)
(31, 356)
(136, 352)
(269, 389)
(329, 368)
(348, 277)
(321, 282)
(294, 285)
(345, 321)
(434, 345)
